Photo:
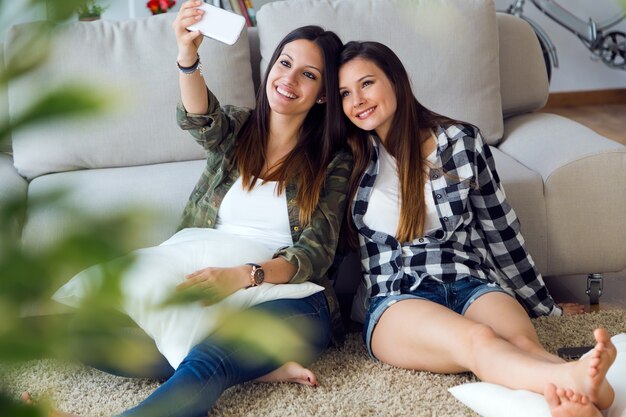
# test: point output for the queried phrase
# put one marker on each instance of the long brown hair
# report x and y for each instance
(403, 139)
(320, 135)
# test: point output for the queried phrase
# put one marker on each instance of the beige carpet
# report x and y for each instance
(351, 383)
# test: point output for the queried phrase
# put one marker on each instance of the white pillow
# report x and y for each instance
(491, 400)
(158, 270)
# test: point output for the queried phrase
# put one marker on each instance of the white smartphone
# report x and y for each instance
(218, 24)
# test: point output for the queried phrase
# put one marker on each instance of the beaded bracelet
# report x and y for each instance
(197, 66)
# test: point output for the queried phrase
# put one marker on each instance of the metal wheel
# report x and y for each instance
(613, 49)
(594, 288)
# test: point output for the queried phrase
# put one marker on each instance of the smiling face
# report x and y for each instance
(367, 96)
(295, 80)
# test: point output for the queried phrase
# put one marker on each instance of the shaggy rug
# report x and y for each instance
(350, 383)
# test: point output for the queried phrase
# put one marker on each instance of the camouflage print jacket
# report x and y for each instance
(314, 245)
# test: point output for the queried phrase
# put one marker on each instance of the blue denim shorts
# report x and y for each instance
(457, 296)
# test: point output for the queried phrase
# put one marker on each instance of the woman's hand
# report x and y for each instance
(571, 309)
(218, 283)
(188, 42)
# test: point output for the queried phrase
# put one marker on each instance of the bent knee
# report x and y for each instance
(526, 343)
(481, 335)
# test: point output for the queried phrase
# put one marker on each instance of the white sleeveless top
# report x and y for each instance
(258, 214)
(383, 209)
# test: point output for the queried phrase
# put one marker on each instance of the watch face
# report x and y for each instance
(259, 276)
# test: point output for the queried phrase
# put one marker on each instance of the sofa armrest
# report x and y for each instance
(523, 79)
(584, 177)
(12, 187)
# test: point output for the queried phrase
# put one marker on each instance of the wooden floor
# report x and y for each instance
(608, 120)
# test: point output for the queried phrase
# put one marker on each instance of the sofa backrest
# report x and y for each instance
(524, 84)
(449, 47)
(137, 57)
(135, 60)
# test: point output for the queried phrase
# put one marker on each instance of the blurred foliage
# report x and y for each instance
(90, 8)
(28, 277)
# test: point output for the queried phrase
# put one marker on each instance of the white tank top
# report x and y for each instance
(383, 209)
(258, 214)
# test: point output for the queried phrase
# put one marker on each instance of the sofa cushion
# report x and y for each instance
(159, 190)
(456, 78)
(136, 61)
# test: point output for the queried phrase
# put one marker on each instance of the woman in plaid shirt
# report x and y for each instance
(440, 246)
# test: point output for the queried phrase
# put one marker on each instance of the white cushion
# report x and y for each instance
(458, 79)
(156, 272)
(134, 60)
(491, 400)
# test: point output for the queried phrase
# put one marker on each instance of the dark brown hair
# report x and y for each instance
(320, 135)
(403, 139)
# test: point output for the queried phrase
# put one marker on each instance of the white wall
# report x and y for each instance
(577, 71)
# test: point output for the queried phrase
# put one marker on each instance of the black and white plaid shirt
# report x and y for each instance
(479, 237)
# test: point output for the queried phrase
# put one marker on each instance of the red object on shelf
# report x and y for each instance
(160, 6)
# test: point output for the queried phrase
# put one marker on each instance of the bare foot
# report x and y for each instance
(571, 309)
(567, 403)
(595, 367)
(291, 372)
(28, 399)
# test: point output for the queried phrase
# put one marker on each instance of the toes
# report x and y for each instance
(310, 377)
(313, 381)
(601, 335)
(551, 396)
(562, 394)
(26, 397)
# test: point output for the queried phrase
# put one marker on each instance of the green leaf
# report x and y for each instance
(13, 408)
(31, 49)
(207, 296)
(64, 102)
(60, 10)
(251, 330)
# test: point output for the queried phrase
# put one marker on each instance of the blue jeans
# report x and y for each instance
(456, 295)
(215, 365)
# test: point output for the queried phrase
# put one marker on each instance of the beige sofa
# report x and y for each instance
(567, 183)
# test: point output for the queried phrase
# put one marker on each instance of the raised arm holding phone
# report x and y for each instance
(277, 176)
